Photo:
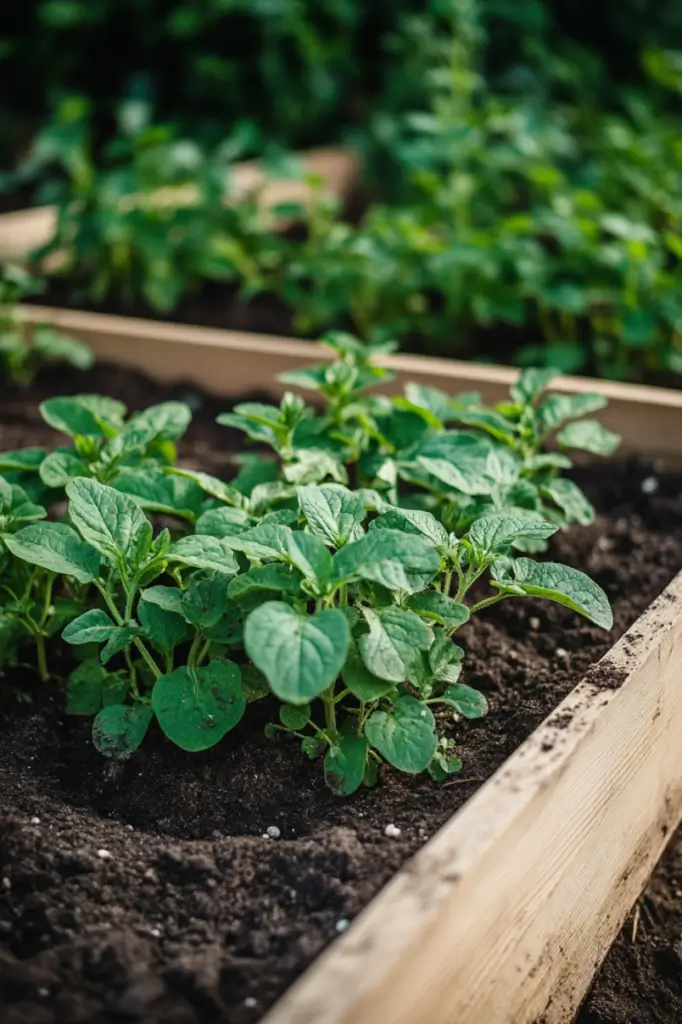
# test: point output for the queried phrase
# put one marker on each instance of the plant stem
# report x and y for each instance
(330, 711)
(151, 664)
(487, 602)
(42, 660)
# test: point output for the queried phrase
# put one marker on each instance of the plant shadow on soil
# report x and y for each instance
(146, 891)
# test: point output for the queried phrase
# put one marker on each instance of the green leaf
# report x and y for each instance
(489, 420)
(457, 477)
(300, 655)
(265, 541)
(277, 577)
(92, 627)
(333, 512)
(206, 599)
(438, 607)
(466, 701)
(109, 521)
(166, 629)
(391, 647)
(389, 557)
(84, 415)
(56, 547)
(360, 681)
(84, 688)
(211, 485)
(445, 761)
(405, 735)
(531, 383)
(493, 534)
(24, 460)
(59, 467)
(344, 765)
(167, 421)
(559, 583)
(119, 639)
(204, 552)
(168, 598)
(589, 436)
(223, 522)
(571, 500)
(119, 729)
(310, 556)
(438, 403)
(197, 707)
(558, 409)
(254, 684)
(412, 521)
(156, 491)
(293, 717)
(442, 652)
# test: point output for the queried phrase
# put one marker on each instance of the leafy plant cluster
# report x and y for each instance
(333, 573)
(24, 350)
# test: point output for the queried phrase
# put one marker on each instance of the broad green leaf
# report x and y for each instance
(443, 652)
(531, 383)
(277, 577)
(84, 415)
(493, 534)
(84, 688)
(393, 643)
(6, 497)
(254, 684)
(156, 491)
(167, 421)
(167, 598)
(360, 681)
(405, 735)
(466, 701)
(489, 420)
(332, 512)
(559, 409)
(414, 521)
(119, 729)
(294, 717)
(265, 541)
(204, 552)
(197, 707)
(92, 627)
(166, 629)
(589, 436)
(438, 403)
(24, 460)
(300, 655)
(310, 556)
(344, 765)
(473, 483)
(120, 638)
(56, 547)
(548, 460)
(211, 485)
(559, 583)
(59, 467)
(109, 521)
(389, 557)
(437, 607)
(445, 761)
(223, 522)
(571, 500)
(206, 599)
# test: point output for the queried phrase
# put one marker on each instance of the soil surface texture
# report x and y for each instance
(185, 888)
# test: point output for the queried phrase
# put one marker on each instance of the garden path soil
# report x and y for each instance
(146, 891)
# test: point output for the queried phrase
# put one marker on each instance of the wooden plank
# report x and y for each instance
(507, 912)
(232, 363)
(22, 231)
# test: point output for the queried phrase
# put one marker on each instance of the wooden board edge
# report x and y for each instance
(508, 911)
(232, 363)
(22, 231)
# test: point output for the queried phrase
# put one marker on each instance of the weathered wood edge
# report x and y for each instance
(22, 231)
(506, 914)
(232, 362)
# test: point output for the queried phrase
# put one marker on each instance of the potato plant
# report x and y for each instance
(333, 577)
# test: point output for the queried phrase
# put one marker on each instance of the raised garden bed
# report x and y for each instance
(504, 914)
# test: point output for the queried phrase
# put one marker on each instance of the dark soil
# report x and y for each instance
(147, 891)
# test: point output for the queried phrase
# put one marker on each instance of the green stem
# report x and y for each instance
(142, 650)
(330, 712)
(488, 601)
(42, 660)
(47, 600)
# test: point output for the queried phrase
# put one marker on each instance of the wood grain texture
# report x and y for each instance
(22, 231)
(505, 915)
(231, 362)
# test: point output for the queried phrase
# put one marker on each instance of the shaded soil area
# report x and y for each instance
(151, 891)
(640, 981)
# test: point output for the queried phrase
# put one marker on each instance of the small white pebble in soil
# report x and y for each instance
(265, 836)
(649, 485)
(129, 827)
(342, 925)
(392, 831)
(273, 832)
(35, 821)
(155, 932)
(250, 1003)
(6, 884)
(104, 854)
(43, 993)
(534, 622)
